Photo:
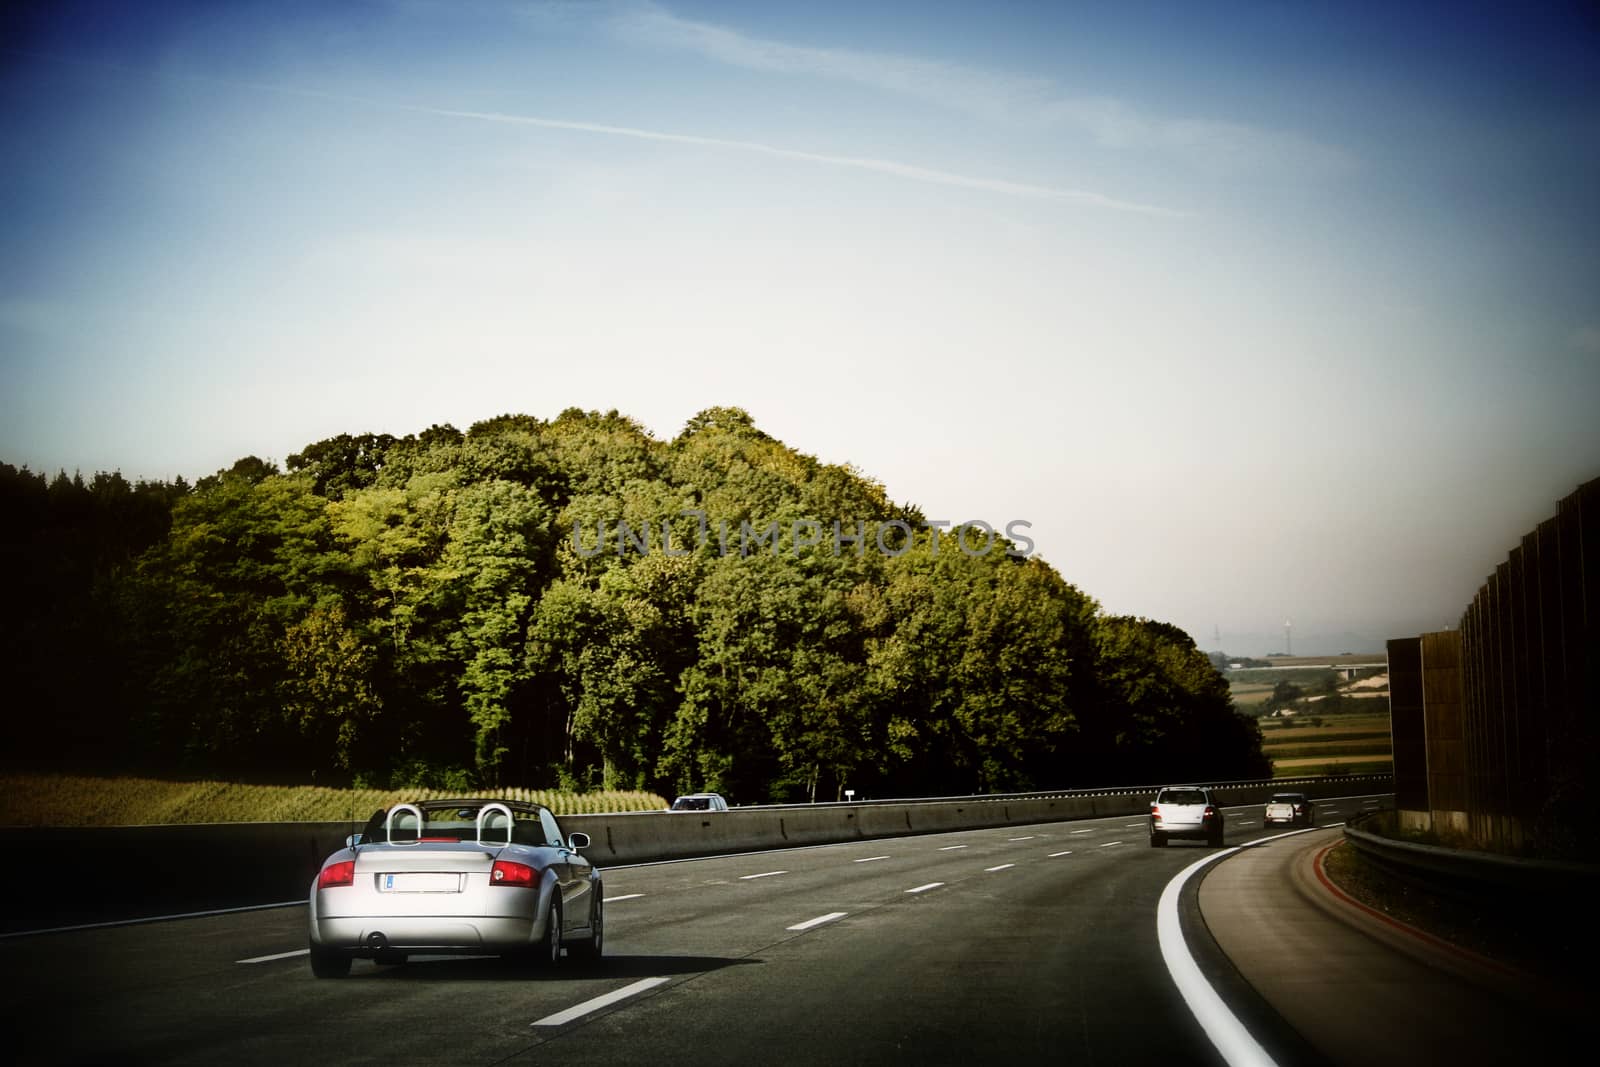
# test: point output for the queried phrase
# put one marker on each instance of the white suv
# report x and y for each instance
(1185, 811)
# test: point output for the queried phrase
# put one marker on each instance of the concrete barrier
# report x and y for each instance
(91, 874)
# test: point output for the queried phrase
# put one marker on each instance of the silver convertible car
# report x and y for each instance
(456, 877)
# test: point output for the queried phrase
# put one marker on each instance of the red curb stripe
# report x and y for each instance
(1421, 935)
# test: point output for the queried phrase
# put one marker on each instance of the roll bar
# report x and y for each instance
(483, 816)
(388, 823)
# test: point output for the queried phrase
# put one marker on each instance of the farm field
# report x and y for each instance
(72, 800)
(1359, 743)
(1249, 694)
(1290, 768)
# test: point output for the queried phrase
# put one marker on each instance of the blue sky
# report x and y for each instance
(1261, 313)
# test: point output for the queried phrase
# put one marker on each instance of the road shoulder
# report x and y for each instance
(1346, 981)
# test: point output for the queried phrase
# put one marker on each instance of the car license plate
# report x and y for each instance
(421, 882)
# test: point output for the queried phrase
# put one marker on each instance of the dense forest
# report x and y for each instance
(440, 609)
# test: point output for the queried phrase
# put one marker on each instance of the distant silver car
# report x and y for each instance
(1185, 811)
(1295, 809)
(700, 802)
(459, 877)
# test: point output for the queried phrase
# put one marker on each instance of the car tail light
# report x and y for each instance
(336, 874)
(1210, 813)
(505, 872)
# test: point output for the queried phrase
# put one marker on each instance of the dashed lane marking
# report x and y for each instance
(276, 956)
(578, 1011)
(819, 920)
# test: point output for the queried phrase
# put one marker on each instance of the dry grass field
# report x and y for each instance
(66, 800)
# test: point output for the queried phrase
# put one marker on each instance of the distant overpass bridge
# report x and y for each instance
(1347, 665)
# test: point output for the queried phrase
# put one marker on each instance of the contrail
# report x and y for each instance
(882, 166)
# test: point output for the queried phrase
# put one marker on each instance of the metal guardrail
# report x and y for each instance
(1464, 871)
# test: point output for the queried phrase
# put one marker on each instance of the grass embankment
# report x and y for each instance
(1343, 744)
(1518, 936)
(67, 800)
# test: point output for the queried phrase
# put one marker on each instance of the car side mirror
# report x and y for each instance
(579, 841)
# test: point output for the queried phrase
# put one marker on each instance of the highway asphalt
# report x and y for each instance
(1027, 944)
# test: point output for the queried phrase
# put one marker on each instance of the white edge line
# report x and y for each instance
(625, 896)
(577, 1011)
(153, 919)
(276, 956)
(819, 920)
(1224, 1029)
(763, 874)
(925, 888)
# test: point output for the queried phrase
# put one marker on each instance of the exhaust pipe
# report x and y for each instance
(377, 942)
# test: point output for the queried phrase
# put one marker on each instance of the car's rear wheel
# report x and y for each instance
(591, 947)
(1215, 840)
(548, 954)
(1158, 840)
(329, 963)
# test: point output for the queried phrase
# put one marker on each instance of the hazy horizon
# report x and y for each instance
(1257, 314)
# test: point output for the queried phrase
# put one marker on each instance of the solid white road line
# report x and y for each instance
(819, 920)
(869, 859)
(925, 888)
(763, 874)
(1003, 866)
(951, 848)
(152, 919)
(1053, 855)
(276, 956)
(1226, 1032)
(578, 1011)
(625, 896)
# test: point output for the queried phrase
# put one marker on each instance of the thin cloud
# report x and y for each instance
(1082, 197)
(881, 166)
(1208, 144)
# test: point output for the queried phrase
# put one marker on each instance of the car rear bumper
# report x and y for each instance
(426, 933)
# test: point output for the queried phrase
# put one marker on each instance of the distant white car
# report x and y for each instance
(1295, 809)
(700, 802)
